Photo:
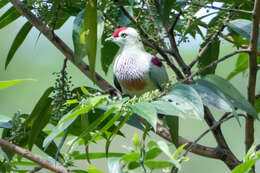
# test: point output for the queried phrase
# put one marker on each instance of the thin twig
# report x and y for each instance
(218, 61)
(249, 129)
(203, 50)
(33, 157)
(153, 42)
(219, 8)
(60, 45)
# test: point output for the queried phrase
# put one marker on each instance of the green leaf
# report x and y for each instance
(166, 108)
(167, 6)
(173, 124)
(211, 54)
(243, 27)
(232, 94)
(78, 35)
(179, 150)
(97, 155)
(165, 148)
(3, 3)
(41, 120)
(147, 111)
(59, 129)
(158, 164)
(8, 17)
(5, 84)
(186, 99)
(40, 106)
(20, 37)
(241, 65)
(93, 170)
(5, 122)
(132, 157)
(91, 33)
(108, 53)
(244, 167)
(212, 96)
(153, 153)
(114, 165)
(257, 105)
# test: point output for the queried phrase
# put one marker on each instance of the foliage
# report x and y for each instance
(87, 115)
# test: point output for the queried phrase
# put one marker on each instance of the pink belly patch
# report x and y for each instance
(133, 85)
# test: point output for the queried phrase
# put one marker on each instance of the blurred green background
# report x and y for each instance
(38, 59)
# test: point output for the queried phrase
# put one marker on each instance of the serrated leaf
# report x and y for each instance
(241, 65)
(232, 94)
(20, 37)
(186, 99)
(211, 54)
(114, 165)
(41, 120)
(147, 111)
(5, 84)
(8, 17)
(158, 164)
(212, 96)
(243, 27)
(90, 27)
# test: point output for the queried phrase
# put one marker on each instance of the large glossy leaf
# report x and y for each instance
(241, 65)
(232, 94)
(153, 153)
(41, 120)
(41, 105)
(211, 54)
(5, 122)
(147, 111)
(78, 35)
(243, 27)
(20, 37)
(8, 17)
(131, 157)
(91, 33)
(166, 108)
(114, 165)
(186, 99)
(212, 96)
(5, 84)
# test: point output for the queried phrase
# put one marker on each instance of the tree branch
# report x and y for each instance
(37, 159)
(153, 42)
(218, 61)
(219, 8)
(249, 129)
(56, 41)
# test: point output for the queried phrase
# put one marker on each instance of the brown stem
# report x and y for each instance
(35, 158)
(219, 8)
(218, 61)
(56, 41)
(249, 130)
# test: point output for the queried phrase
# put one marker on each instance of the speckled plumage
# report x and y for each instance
(135, 70)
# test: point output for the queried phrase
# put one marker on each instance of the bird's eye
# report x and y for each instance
(123, 35)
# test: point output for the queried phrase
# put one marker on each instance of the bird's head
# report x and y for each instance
(125, 36)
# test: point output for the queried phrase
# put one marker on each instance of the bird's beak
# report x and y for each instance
(110, 39)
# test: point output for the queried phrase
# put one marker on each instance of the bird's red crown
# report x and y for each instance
(117, 31)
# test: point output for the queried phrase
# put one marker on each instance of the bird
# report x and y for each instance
(135, 70)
